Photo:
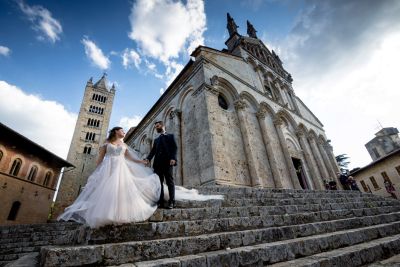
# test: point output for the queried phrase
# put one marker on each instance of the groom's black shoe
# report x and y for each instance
(171, 205)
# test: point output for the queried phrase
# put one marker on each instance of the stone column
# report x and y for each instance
(327, 162)
(289, 163)
(277, 179)
(176, 116)
(318, 159)
(329, 152)
(292, 96)
(312, 166)
(252, 162)
(331, 157)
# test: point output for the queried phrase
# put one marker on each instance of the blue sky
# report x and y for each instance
(342, 56)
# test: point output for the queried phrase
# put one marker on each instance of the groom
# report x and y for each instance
(164, 150)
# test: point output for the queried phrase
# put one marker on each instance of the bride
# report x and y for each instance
(121, 189)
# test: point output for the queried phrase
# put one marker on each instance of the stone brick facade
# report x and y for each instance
(371, 178)
(28, 178)
(90, 132)
(237, 121)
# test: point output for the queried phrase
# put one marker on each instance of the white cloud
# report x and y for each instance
(343, 56)
(43, 22)
(173, 69)
(129, 57)
(45, 122)
(162, 91)
(4, 51)
(95, 54)
(178, 30)
(127, 122)
(165, 28)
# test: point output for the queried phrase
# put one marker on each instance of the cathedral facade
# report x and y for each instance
(237, 121)
(90, 132)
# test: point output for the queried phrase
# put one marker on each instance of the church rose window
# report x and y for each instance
(222, 102)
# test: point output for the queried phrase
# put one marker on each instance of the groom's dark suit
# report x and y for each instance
(163, 151)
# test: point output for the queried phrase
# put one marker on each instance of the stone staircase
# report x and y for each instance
(250, 227)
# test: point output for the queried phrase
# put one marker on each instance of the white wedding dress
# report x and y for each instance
(121, 191)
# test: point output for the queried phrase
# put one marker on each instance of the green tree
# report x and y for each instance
(343, 162)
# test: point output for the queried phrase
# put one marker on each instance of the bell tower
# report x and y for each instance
(90, 132)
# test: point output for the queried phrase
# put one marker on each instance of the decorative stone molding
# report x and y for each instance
(300, 132)
(148, 140)
(214, 80)
(261, 113)
(212, 90)
(239, 104)
(278, 122)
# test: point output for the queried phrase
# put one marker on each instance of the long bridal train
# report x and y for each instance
(122, 191)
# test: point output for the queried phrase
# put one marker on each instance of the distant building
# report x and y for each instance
(90, 132)
(372, 177)
(385, 141)
(28, 178)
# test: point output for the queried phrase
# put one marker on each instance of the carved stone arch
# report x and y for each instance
(292, 143)
(322, 138)
(282, 113)
(302, 129)
(185, 93)
(312, 134)
(253, 104)
(168, 119)
(268, 109)
(227, 89)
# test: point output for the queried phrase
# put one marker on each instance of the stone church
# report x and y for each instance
(237, 121)
(90, 132)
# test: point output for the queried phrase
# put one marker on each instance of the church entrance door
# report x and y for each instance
(300, 173)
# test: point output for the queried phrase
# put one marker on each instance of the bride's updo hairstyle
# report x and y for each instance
(112, 133)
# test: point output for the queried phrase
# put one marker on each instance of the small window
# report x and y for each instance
(87, 150)
(268, 91)
(47, 178)
(397, 169)
(12, 215)
(16, 166)
(222, 102)
(32, 174)
(386, 177)
(374, 183)
(1, 155)
(364, 186)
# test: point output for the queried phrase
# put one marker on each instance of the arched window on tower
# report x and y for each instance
(16, 166)
(46, 181)
(98, 123)
(93, 136)
(93, 96)
(32, 174)
(105, 99)
(87, 149)
(12, 215)
(87, 136)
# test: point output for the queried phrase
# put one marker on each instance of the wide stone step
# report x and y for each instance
(159, 230)
(119, 253)
(252, 192)
(229, 212)
(355, 255)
